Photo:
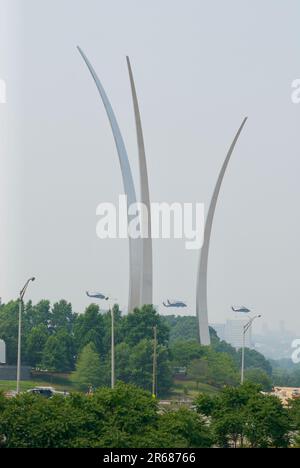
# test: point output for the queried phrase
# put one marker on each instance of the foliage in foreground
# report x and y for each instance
(126, 417)
(244, 416)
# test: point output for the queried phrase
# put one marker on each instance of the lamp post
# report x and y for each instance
(154, 366)
(112, 346)
(21, 297)
(246, 328)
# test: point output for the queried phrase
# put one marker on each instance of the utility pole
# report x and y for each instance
(112, 347)
(154, 389)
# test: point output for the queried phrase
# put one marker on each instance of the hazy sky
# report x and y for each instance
(200, 67)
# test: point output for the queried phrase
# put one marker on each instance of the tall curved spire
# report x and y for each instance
(147, 268)
(134, 244)
(201, 297)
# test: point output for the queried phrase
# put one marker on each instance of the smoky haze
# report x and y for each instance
(200, 67)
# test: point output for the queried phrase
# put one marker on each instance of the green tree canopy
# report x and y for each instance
(184, 352)
(35, 344)
(138, 325)
(217, 369)
(125, 417)
(243, 416)
(89, 370)
(58, 353)
(135, 365)
(89, 328)
(258, 376)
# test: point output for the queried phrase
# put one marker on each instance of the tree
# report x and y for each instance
(258, 376)
(226, 413)
(268, 423)
(89, 328)
(127, 409)
(141, 366)
(255, 360)
(138, 325)
(182, 328)
(58, 353)
(35, 343)
(164, 372)
(134, 365)
(184, 352)
(243, 416)
(181, 429)
(62, 316)
(89, 370)
(188, 425)
(39, 314)
(32, 422)
(122, 360)
(287, 376)
(294, 415)
(215, 369)
(185, 328)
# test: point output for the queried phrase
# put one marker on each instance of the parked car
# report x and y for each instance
(47, 392)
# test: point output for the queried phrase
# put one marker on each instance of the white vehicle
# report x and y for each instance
(46, 392)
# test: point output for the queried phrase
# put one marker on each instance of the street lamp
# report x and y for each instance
(246, 328)
(111, 310)
(21, 297)
(112, 313)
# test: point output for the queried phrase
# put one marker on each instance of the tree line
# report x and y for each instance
(56, 339)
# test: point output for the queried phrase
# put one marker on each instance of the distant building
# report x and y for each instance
(232, 332)
(2, 352)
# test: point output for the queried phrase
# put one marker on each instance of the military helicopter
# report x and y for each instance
(241, 309)
(97, 295)
(174, 304)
